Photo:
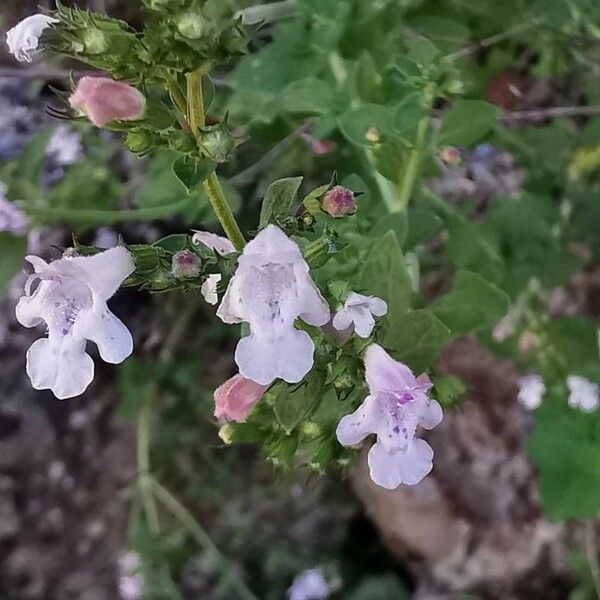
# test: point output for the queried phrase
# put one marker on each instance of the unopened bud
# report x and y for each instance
(186, 264)
(373, 135)
(450, 155)
(339, 202)
(140, 141)
(191, 25)
(104, 100)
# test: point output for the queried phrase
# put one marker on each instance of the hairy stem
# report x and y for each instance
(195, 113)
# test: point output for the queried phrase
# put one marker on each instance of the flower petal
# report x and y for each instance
(378, 306)
(64, 368)
(342, 320)
(230, 310)
(109, 333)
(30, 310)
(288, 356)
(271, 245)
(315, 310)
(209, 288)
(363, 322)
(105, 271)
(215, 242)
(355, 427)
(432, 414)
(384, 374)
(391, 469)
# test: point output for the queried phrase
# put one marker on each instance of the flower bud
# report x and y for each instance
(236, 398)
(450, 155)
(186, 264)
(191, 25)
(339, 202)
(104, 100)
(140, 141)
(373, 135)
(24, 38)
(94, 41)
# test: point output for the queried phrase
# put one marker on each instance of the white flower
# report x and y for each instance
(271, 288)
(531, 391)
(209, 288)
(309, 585)
(71, 299)
(23, 39)
(583, 394)
(359, 311)
(397, 405)
(65, 146)
(12, 218)
(219, 244)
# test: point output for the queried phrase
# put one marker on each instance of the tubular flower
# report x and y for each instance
(396, 405)
(271, 288)
(236, 398)
(583, 394)
(358, 311)
(24, 38)
(71, 300)
(104, 100)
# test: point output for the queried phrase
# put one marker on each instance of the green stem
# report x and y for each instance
(102, 217)
(188, 522)
(143, 464)
(176, 94)
(407, 183)
(195, 113)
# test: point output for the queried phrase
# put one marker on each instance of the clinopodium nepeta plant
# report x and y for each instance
(336, 345)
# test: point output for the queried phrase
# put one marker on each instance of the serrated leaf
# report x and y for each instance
(467, 122)
(472, 304)
(416, 338)
(292, 406)
(192, 172)
(279, 199)
(384, 274)
(12, 251)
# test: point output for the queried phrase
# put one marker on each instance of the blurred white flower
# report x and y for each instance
(221, 245)
(583, 394)
(358, 311)
(531, 391)
(12, 218)
(65, 146)
(398, 403)
(309, 585)
(271, 288)
(209, 288)
(131, 583)
(71, 299)
(24, 38)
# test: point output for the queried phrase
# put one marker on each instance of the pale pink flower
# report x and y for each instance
(104, 100)
(396, 406)
(235, 398)
(583, 393)
(71, 300)
(271, 288)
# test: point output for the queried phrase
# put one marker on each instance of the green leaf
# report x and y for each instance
(12, 251)
(408, 113)
(309, 96)
(416, 338)
(292, 406)
(467, 122)
(384, 274)
(355, 123)
(173, 243)
(473, 303)
(279, 199)
(564, 447)
(448, 389)
(421, 50)
(192, 172)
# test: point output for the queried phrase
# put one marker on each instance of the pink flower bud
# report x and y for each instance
(450, 155)
(104, 100)
(339, 202)
(186, 264)
(236, 398)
